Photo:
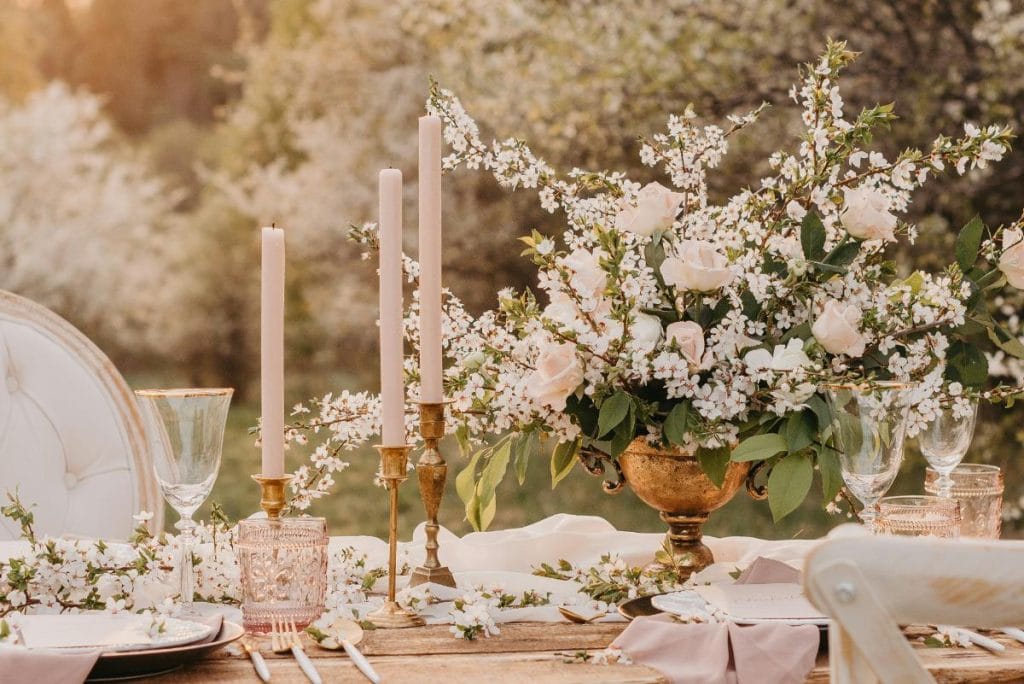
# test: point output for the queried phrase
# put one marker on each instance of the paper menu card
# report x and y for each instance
(760, 601)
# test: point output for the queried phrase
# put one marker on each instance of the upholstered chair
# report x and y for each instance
(71, 440)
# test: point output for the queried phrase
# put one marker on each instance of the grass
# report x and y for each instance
(357, 507)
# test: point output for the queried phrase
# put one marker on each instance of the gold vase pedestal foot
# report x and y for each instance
(684, 542)
(393, 616)
(432, 472)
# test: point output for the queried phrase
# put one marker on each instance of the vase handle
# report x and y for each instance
(593, 460)
(756, 491)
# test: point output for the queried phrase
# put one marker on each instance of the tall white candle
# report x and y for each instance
(430, 259)
(272, 351)
(392, 387)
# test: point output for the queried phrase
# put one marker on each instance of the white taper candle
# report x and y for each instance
(431, 389)
(392, 387)
(272, 351)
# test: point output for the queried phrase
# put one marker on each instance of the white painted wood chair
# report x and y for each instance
(71, 439)
(871, 585)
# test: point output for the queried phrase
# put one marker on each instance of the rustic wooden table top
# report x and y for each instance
(530, 652)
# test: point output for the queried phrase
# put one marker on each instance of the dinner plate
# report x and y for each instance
(133, 664)
(107, 632)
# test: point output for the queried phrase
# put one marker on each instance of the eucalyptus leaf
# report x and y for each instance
(788, 484)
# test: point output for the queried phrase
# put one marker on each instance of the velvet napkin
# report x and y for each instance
(20, 665)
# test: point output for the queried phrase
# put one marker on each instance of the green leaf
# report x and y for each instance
(624, 434)
(614, 409)
(966, 364)
(759, 447)
(465, 481)
(788, 484)
(800, 429)
(831, 474)
(821, 411)
(522, 447)
(654, 253)
(487, 514)
(1005, 341)
(812, 236)
(494, 472)
(843, 254)
(562, 460)
(802, 331)
(968, 242)
(676, 423)
(714, 463)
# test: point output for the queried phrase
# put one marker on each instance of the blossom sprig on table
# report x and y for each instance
(56, 575)
(473, 615)
(612, 580)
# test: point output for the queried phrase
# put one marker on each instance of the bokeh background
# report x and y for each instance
(143, 143)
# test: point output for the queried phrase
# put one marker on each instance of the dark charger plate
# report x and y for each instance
(132, 664)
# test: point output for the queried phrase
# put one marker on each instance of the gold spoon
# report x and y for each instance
(345, 634)
(573, 616)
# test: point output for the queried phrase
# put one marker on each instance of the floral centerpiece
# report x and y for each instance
(711, 327)
(708, 329)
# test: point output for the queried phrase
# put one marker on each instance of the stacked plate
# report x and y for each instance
(127, 647)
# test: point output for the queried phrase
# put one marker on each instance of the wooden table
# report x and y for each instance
(526, 652)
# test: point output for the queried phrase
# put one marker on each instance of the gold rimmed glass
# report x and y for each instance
(919, 516)
(869, 424)
(185, 435)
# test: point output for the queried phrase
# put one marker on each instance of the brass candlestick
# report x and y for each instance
(394, 462)
(272, 494)
(432, 472)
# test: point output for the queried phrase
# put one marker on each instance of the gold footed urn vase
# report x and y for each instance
(672, 482)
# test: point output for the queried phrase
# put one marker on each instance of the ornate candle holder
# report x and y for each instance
(394, 461)
(283, 562)
(432, 472)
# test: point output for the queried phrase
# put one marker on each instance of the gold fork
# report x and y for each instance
(252, 648)
(284, 638)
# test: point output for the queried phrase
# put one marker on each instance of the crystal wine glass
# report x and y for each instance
(945, 440)
(869, 423)
(185, 432)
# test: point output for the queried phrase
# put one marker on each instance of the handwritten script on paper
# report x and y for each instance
(760, 601)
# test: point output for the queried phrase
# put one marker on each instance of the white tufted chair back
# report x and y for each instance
(71, 440)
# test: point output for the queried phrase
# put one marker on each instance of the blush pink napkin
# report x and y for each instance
(20, 665)
(721, 653)
(726, 653)
(769, 571)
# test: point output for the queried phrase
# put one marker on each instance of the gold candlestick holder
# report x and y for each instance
(432, 471)
(394, 462)
(272, 499)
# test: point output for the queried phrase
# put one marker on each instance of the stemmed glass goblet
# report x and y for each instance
(185, 433)
(945, 441)
(869, 423)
